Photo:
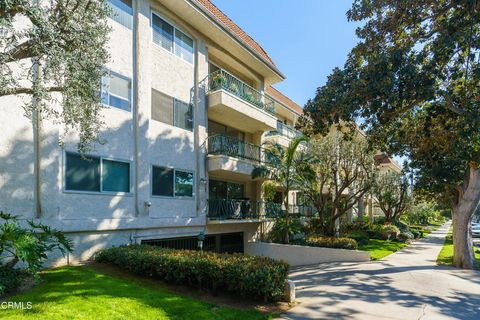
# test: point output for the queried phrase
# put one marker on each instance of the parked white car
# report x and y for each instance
(476, 231)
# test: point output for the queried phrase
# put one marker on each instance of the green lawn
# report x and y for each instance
(445, 257)
(88, 293)
(381, 248)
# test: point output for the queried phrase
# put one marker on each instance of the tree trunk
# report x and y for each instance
(286, 239)
(468, 198)
(361, 209)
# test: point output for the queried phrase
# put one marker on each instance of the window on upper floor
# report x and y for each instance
(117, 91)
(171, 111)
(170, 38)
(95, 174)
(122, 12)
(169, 182)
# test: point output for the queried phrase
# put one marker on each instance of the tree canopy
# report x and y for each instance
(413, 82)
(340, 172)
(55, 52)
(390, 189)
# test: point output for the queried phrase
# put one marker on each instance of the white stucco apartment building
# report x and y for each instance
(190, 103)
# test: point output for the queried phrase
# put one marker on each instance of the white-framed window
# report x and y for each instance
(172, 111)
(170, 182)
(96, 174)
(172, 39)
(122, 12)
(117, 91)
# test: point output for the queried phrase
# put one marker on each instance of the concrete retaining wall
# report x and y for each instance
(302, 255)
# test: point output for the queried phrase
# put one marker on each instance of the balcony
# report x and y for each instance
(241, 210)
(232, 101)
(232, 157)
(283, 135)
(248, 210)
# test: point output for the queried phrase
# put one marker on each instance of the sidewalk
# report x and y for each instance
(405, 285)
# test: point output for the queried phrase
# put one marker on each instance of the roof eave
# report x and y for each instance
(214, 19)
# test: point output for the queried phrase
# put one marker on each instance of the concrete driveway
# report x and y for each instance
(405, 285)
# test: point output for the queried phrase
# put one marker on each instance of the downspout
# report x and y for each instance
(196, 136)
(36, 122)
(137, 103)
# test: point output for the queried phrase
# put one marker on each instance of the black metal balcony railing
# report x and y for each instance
(229, 146)
(302, 210)
(221, 79)
(225, 209)
(286, 131)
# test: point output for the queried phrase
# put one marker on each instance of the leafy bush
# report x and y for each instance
(356, 226)
(416, 234)
(331, 242)
(403, 226)
(375, 232)
(360, 237)
(10, 279)
(248, 276)
(423, 213)
(295, 227)
(405, 236)
(389, 231)
(27, 245)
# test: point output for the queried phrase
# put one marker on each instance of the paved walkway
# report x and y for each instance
(405, 285)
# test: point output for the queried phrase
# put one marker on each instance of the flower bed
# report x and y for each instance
(248, 276)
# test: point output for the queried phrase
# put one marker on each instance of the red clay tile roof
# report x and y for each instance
(277, 95)
(382, 158)
(234, 28)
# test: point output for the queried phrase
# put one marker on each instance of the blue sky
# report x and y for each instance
(305, 38)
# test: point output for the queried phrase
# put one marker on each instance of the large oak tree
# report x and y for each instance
(53, 53)
(413, 81)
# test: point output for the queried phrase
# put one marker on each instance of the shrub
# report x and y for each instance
(360, 238)
(359, 235)
(10, 279)
(375, 231)
(405, 236)
(356, 226)
(295, 227)
(331, 242)
(248, 276)
(423, 213)
(401, 225)
(416, 234)
(389, 231)
(29, 245)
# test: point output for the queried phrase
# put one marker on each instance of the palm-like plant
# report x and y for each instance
(281, 167)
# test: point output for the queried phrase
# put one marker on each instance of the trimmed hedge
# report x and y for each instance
(248, 276)
(331, 242)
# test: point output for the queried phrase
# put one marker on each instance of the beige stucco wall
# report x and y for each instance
(302, 255)
(96, 220)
